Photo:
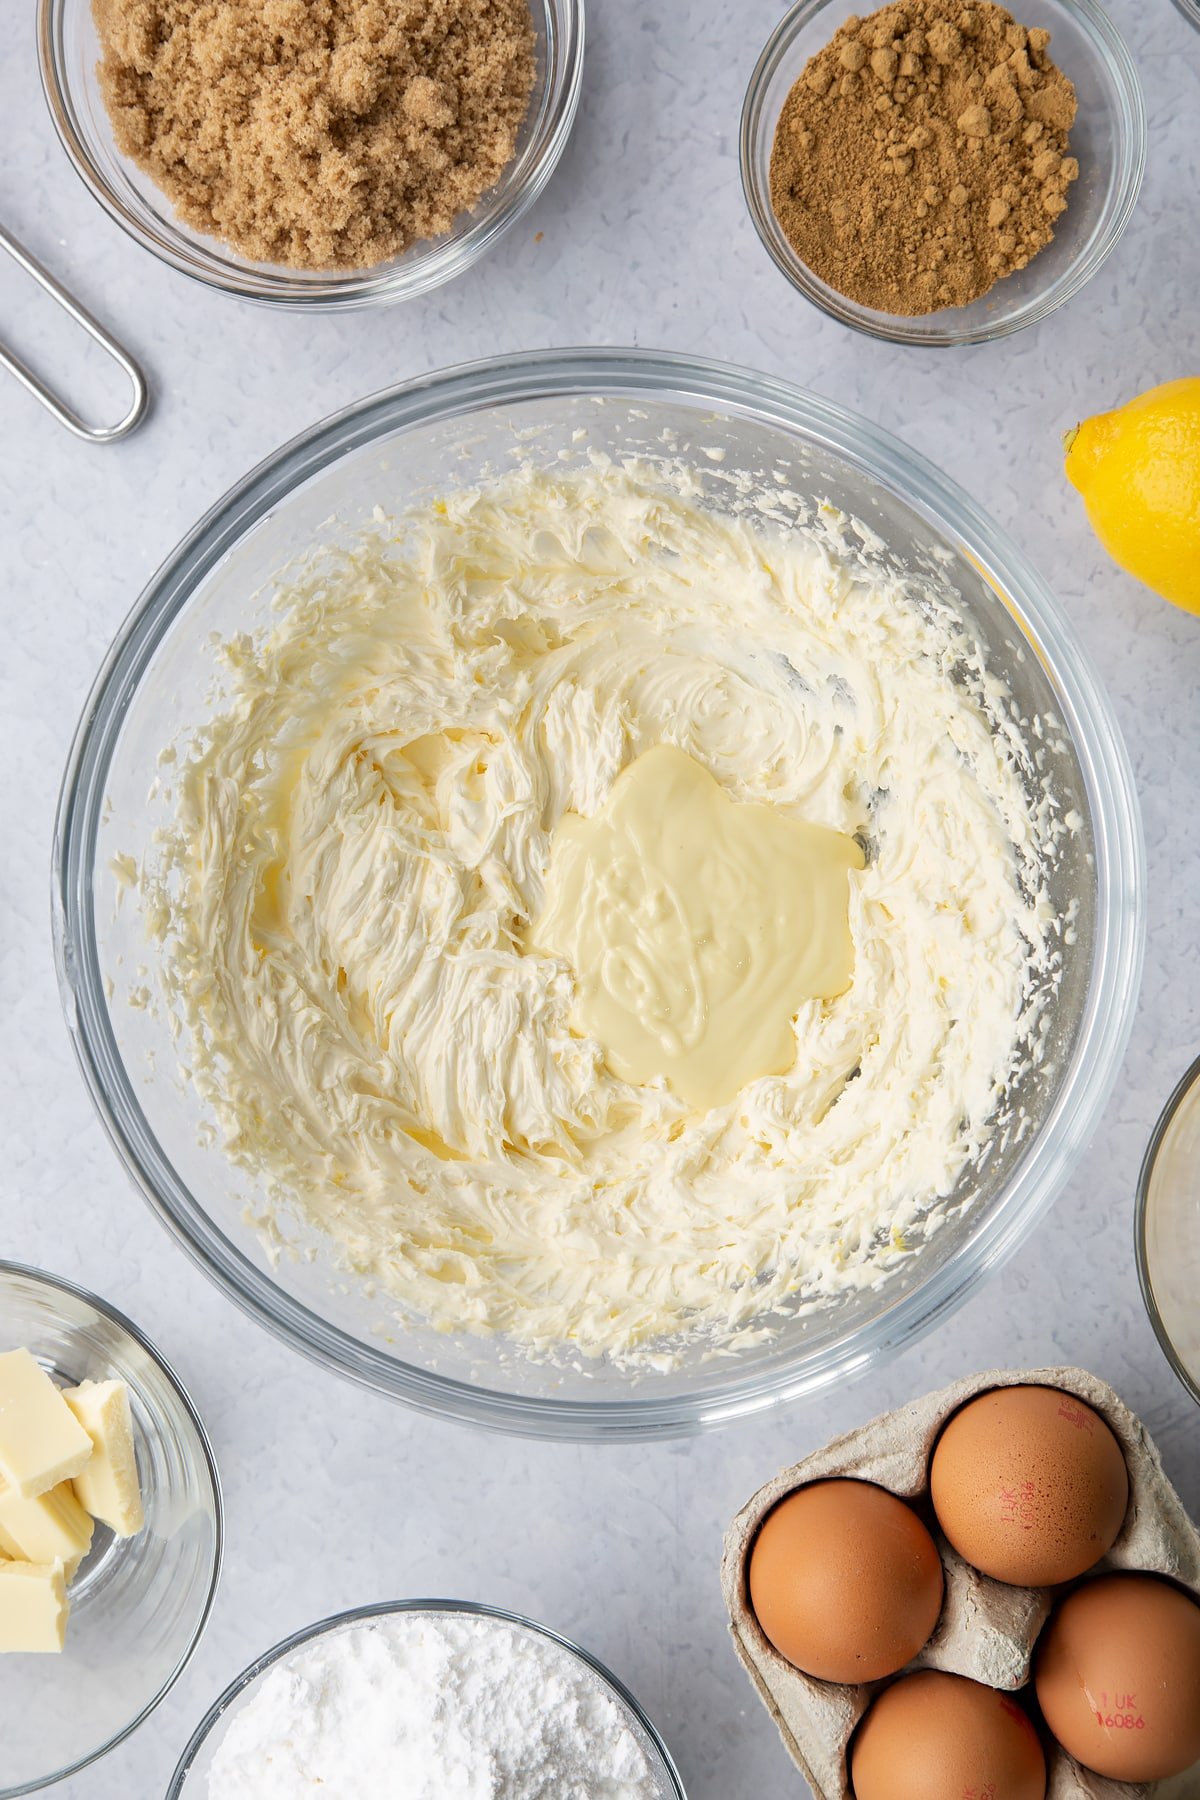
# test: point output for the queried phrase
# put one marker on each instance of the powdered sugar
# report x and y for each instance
(431, 1707)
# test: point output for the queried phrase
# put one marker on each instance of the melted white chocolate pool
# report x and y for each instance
(695, 929)
(362, 839)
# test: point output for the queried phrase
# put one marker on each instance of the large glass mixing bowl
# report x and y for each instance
(442, 432)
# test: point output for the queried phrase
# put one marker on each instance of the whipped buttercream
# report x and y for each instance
(360, 846)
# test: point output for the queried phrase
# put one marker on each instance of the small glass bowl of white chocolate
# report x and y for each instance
(110, 1529)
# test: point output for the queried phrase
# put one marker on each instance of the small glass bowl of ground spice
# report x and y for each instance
(942, 171)
(319, 154)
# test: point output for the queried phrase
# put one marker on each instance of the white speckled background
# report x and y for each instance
(333, 1497)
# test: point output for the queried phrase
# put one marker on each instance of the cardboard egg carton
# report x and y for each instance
(987, 1630)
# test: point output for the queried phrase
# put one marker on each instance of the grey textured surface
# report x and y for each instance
(333, 1497)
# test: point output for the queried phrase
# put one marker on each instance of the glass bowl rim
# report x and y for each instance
(476, 1609)
(59, 1284)
(620, 373)
(340, 290)
(1191, 11)
(896, 328)
(1165, 1120)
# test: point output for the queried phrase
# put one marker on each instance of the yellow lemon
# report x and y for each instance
(1138, 469)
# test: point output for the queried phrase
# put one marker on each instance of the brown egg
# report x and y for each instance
(932, 1736)
(845, 1581)
(1118, 1677)
(1029, 1485)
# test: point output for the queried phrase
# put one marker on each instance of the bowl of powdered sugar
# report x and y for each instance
(426, 1698)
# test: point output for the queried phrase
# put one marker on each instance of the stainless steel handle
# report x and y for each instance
(33, 384)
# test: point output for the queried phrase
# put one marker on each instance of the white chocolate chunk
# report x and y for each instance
(50, 1528)
(108, 1486)
(33, 1606)
(41, 1441)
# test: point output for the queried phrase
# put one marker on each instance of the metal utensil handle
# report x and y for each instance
(33, 384)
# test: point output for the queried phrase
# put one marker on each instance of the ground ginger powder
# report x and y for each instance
(922, 154)
(318, 133)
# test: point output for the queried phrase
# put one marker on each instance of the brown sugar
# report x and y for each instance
(922, 154)
(318, 133)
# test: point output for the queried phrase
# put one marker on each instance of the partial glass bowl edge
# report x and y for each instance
(1189, 1376)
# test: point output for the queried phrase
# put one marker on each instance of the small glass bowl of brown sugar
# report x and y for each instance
(1107, 147)
(400, 261)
